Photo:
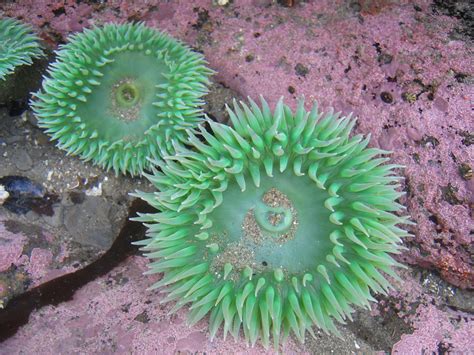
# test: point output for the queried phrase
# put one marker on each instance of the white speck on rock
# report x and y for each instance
(95, 191)
(3, 194)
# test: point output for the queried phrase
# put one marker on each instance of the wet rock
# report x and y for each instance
(262, 3)
(462, 300)
(26, 79)
(25, 195)
(460, 9)
(465, 171)
(464, 78)
(37, 269)
(99, 311)
(89, 222)
(454, 297)
(449, 194)
(382, 332)
(441, 104)
(56, 219)
(301, 70)
(22, 160)
(16, 108)
(429, 141)
(142, 317)
(386, 97)
(29, 255)
(32, 217)
(385, 58)
(249, 58)
(13, 139)
(195, 340)
(336, 41)
(73, 198)
(390, 139)
(470, 188)
(214, 106)
(468, 138)
(414, 134)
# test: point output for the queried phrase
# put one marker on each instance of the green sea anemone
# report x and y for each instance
(18, 45)
(121, 93)
(275, 225)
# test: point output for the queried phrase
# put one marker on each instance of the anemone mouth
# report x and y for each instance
(275, 225)
(126, 95)
(120, 94)
(274, 215)
(125, 101)
(18, 46)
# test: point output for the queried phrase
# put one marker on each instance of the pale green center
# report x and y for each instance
(121, 107)
(125, 104)
(281, 224)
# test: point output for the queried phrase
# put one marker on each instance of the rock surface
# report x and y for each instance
(403, 68)
(116, 314)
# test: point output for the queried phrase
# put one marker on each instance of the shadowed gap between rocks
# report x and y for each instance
(62, 289)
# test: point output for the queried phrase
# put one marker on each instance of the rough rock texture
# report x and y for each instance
(115, 314)
(57, 214)
(403, 67)
(430, 309)
(25, 79)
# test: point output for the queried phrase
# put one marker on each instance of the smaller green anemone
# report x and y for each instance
(119, 94)
(282, 222)
(18, 45)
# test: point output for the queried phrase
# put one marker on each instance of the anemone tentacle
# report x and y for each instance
(19, 45)
(278, 223)
(119, 94)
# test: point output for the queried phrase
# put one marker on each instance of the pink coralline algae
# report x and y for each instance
(32, 265)
(116, 312)
(402, 68)
(58, 17)
(435, 328)
(38, 264)
(11, 249)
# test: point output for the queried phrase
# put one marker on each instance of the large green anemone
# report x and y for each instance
(275, 225)
(18, 45)
(121, 93)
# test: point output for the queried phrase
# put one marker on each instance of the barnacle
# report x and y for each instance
(118, 94)
(18, 45)
(275, 225)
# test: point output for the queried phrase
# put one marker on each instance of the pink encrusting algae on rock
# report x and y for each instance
(403, 69)
(396, 67)
(434, 327)
(32, 258)
(116, 313)
(11, 248)
(433, 330)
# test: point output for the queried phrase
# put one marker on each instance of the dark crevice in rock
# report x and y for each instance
(460, 9)
(62, 289)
